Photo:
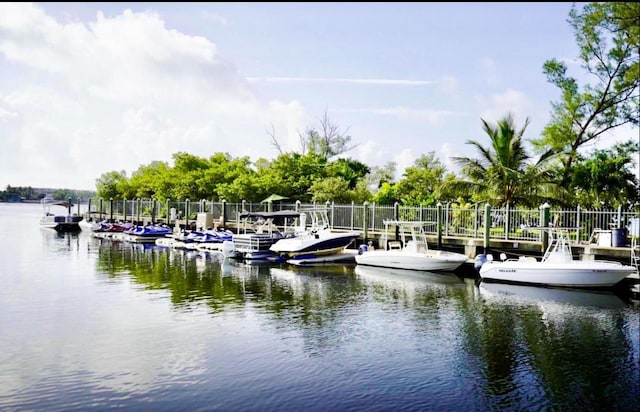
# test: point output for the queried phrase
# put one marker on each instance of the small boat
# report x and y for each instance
(210, 239)
(260, 230)
(556, 268)
(317, 240)
(69, 222)
(411, 252)
(146, 234)
(89, 225)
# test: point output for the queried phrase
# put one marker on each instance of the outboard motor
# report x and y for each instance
(481, 260)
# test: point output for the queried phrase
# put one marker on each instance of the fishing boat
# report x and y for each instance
(557, 267)
(69, 222)
(411, 251)
(319, 239)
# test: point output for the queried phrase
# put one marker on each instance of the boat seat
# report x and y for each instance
(394, 244)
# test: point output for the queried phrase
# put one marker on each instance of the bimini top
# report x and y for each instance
(51, 202)
(270, 215)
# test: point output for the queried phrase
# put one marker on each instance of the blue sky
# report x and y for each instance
(87, 88)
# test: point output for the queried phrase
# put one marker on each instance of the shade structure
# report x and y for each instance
(274, 198)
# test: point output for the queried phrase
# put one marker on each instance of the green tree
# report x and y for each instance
(292, 174)
(502, 172)
(421, 182)
(112, 184)
(386, 194)
(350, 170)
(608, 35)
(605, 178)
(152, 180)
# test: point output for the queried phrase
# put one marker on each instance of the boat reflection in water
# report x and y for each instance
(415, 278)
(559, 298)
(411, 287)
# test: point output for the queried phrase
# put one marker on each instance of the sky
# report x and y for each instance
(90, 88)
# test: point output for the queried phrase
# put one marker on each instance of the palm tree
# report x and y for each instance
(503, 174)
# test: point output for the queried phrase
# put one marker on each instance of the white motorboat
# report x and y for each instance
(317, 240)
(69, 222)
(411, 252)
(556, 268)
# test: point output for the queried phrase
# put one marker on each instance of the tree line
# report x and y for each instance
(28, 193)
(555, 167)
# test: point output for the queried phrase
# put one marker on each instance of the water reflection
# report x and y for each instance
(511, 347)
(561, 298)
(568, 348)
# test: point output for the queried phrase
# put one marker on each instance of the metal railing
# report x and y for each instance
(448, 220)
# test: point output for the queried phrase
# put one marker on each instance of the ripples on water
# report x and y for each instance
(94, 325)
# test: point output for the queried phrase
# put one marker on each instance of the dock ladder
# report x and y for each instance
(635, 256)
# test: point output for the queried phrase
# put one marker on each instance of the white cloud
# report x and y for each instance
(433, 117)
(404, 159)
(497, 106)
(380, 82)
(120, 92)
(490, 71)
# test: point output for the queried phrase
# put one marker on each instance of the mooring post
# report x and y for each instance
(100, 207)
(187, 210)
(544, 222)
(439, 224)
(138, 211)
(396, 217)
(487, 226)
(111, 209)
(224, 213)
(365, 225)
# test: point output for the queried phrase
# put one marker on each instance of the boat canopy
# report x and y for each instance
(270, 215)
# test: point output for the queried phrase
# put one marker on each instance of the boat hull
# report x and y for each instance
(62, 224)
(325, 244)
(582, 274)
(398, 259)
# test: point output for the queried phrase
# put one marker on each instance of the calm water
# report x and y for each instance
(87, 324)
